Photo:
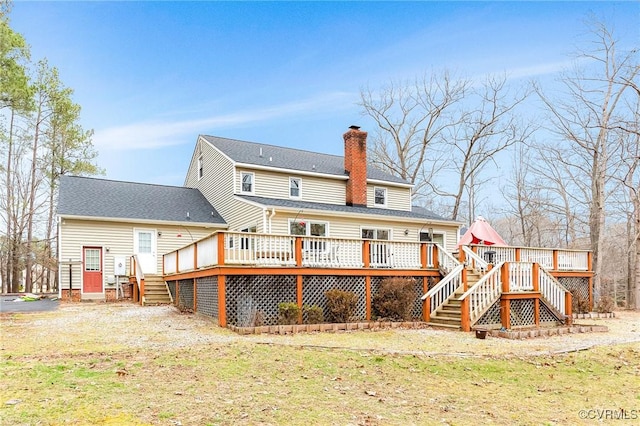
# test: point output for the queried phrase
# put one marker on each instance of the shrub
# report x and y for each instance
(341, 305)
(394, 299)
(312, 314)
(288, 313)
(605, 304)
(579, 304)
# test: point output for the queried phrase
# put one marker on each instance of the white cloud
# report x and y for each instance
(159, 133)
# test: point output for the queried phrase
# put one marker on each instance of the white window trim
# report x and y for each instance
(444, 237)
(299, 196)
(253, 182)
(307, 227)
(376, 228)
(200, 167)
(386, 196)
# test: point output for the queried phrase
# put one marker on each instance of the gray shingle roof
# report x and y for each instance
(290, 158)
(305, 205)
(90, 197)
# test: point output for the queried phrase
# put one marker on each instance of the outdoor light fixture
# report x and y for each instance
(406, 232)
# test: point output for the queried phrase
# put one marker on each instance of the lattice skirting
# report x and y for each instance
(522, 314)
(207, 296)
(185, 295)
(492, 316)
(253, 300)
(579, 288)
(416, 308)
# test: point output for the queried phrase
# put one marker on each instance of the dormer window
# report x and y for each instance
(295, 187)
(200, 168)
(380, 197)
(246, 183)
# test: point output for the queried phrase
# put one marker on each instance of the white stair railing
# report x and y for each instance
(483, 294)
(442, 291)
(520, 276)
(473, 260)
(553, 292)
(446, 261)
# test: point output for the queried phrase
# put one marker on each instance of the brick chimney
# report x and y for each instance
(355, 165)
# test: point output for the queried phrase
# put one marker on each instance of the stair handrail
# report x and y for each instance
(483, 294)
(139, 276)
(446, 261)
(552, 291)
(478, 262)
(444, 289)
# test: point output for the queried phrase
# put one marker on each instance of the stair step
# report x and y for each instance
(449, 326)
(444, 320)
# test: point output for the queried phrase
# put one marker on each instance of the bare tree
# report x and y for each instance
(412, 119)
(440, 129)
(583, 116)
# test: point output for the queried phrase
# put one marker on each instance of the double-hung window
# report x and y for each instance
(295, 187)
(247, 182)
(380, 197)
(200, 168)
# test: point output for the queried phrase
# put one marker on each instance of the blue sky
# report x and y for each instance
(151, 76)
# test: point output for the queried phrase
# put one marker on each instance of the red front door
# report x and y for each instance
(92, 270)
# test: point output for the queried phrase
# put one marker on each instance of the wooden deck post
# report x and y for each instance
(535, 276)
(299, 293)
(367, 290)
(178, 293)
(568, 308)
(465, 321)
(195, 255)
(220, 248)
(465, 283)
(195, 295)
(505, 304)
(555, 260)
(222, 300)
(436, 259)
(298, 249)
(517, 254)
(590, 279)
(423, 256)
(366, 258)
(141, 291)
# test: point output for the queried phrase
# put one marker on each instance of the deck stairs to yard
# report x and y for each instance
(155, 291)
(449, 314)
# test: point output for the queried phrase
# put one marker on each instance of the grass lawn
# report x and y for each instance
(246, 381)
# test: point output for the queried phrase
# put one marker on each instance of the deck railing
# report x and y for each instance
(479, 298)
(551, 259)
(473, 260)
(554, 292)
(441, 292)
(446, 261)
(253, 249)
(520, 276)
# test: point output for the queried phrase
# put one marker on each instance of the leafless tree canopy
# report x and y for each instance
(573, 176)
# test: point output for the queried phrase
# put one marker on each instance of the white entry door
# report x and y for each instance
(144, 246)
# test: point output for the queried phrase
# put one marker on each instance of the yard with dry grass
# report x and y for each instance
(121, 364)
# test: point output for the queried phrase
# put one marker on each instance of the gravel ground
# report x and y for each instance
(107, 327)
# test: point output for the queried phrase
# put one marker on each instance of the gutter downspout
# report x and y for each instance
(271, 215)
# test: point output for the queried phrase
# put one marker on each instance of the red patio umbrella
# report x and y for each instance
(480, 232)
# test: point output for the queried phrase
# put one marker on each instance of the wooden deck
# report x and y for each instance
(306, 264)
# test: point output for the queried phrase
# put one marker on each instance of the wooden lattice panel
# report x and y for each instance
(172, 290)
(207, 300)
(185, 294)
(253, 300)
(492, 316)
(522, 313)
(315, 287)
(579, 288)
(547, 317)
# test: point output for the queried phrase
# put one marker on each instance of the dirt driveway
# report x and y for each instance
(119, 325)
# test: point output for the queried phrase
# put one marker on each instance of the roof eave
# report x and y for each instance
(148, 221)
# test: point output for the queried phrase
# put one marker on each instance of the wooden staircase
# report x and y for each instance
(155, 291)
(449, 315)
